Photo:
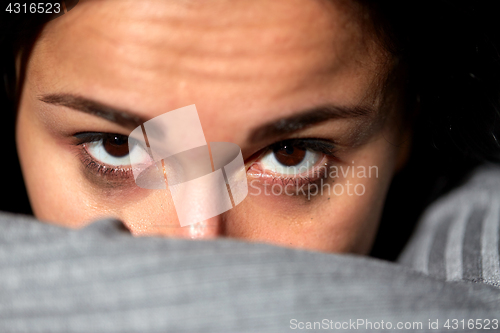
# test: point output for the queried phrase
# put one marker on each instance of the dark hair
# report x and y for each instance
(450, 49)
(18, 32)
(453, 83)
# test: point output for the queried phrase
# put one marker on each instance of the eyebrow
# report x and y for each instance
(277, 128)
(307, 118)
(121, 117)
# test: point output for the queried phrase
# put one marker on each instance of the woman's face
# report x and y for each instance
(297, 84)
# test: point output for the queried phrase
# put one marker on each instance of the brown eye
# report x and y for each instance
(288, 155)
(116, 145)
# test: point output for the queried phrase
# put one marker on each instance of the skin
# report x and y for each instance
(244, 64)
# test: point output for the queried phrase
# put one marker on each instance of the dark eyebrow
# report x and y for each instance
(120, 117)
(307, 118)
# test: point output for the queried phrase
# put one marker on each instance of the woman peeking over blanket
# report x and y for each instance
(351, 115)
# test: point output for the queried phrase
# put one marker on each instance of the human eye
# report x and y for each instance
(107, 155)
(294, 161)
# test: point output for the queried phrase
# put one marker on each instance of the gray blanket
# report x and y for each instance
(101, 279)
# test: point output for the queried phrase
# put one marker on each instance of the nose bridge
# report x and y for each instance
(202, 180)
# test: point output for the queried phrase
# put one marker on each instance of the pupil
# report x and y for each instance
(118, 140)
(116, 145)
(289, 155)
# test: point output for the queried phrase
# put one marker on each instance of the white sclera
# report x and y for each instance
(147, 173)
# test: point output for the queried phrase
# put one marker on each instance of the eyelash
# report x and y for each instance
(110, 173)
(103, 170)
(316, 145)
(113, 173)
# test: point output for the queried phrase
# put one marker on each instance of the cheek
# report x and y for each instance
(52, 174)
(379, 159)
(359, 212)
(344, 217)
(46, 174)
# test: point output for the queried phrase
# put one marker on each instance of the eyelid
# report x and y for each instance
(85, 137)
(105, 175)
(315, 174)
(318, 145)
(89, 137)
(97, 171)
(324, 146)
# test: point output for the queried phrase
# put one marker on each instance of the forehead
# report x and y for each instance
(166, 54)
